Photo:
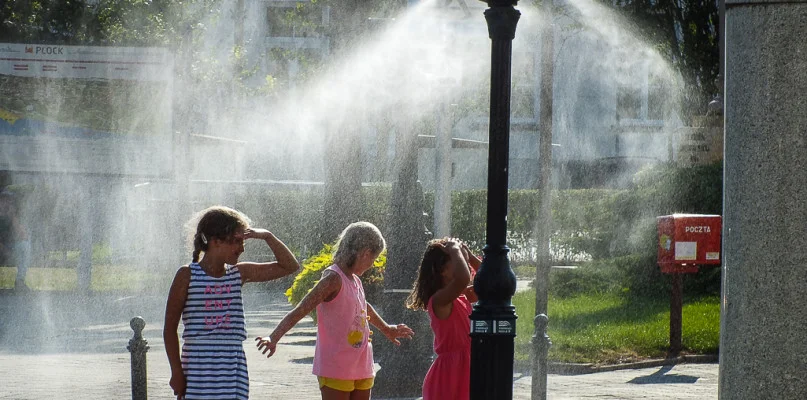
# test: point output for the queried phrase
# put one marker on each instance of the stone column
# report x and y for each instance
(88, 207)
(403, 367)
(764, 301)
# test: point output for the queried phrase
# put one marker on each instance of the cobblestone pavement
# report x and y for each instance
(49, 353)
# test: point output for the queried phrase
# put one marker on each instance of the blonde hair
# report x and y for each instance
(217, 222)
(357, 237)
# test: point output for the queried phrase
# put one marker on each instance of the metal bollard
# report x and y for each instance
(138, 347)
(540, 346)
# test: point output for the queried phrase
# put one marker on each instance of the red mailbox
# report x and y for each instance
(687, 240)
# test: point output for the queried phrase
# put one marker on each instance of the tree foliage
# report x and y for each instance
(179, 25)
(686, 32)
(45, 21)
(103, 22)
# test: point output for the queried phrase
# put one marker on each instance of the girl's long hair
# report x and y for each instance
(217, 222)
(429, 279)
(357, 237)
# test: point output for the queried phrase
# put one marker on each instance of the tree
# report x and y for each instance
(686, 32)
(45, 21)
(343, 178)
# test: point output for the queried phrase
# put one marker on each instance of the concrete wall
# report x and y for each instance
(763, 324)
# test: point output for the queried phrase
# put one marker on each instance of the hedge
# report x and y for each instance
(610, 229)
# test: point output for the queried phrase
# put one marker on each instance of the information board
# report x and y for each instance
(80, 109)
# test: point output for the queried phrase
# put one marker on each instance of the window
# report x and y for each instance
(628, 103)
(643, 97)
(658, 97)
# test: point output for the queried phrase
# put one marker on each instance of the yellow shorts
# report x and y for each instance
(346, 385)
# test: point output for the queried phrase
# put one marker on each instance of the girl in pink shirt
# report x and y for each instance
(442, 289)
(343, 358)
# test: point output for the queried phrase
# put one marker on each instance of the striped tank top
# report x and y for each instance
(213, 356)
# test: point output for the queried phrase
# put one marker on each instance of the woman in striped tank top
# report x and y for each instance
(206, 295)
(343, 357)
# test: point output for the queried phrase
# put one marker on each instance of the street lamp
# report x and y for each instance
(493, 320)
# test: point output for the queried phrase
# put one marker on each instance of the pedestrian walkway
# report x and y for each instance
(82, 355)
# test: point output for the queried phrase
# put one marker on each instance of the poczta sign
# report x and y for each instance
(697, 229)
(688, 240)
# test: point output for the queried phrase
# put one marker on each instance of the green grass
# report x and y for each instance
(610, 328)
(105, 278)
(524, 271)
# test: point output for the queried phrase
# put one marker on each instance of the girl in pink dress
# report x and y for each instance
(442, 289)
(343, 357)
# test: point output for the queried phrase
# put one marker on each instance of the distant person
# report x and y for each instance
(343, 357)
(15, 245)
(442, 288)
(207, 295)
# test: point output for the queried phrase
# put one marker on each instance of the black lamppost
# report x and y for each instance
(493, 320)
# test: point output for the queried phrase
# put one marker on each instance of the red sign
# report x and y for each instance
(688, 240)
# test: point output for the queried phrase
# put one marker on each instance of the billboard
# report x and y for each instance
(82, 109)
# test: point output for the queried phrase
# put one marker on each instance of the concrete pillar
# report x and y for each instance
(88, 208)
(442, 173)
(764, 305)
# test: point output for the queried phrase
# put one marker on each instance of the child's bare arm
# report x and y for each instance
(173, 312)
(392, 332)
(324, 290)
(443, 299)
(261, 272)
(474, 262)
(470, 294)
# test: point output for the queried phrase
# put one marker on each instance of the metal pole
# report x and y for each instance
(540, 344)
(544, 220)
(138, 348)
(545, 159)
(493, 320)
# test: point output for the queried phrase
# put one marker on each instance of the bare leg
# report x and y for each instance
(360, 394)
(333, 394)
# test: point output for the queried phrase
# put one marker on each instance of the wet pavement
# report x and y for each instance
(66, 346)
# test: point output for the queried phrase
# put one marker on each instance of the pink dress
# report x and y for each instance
(343, 350)
(449, 377)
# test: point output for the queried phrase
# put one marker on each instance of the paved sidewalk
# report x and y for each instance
(82, 354)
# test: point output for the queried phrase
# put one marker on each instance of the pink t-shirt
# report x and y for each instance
(343, 350)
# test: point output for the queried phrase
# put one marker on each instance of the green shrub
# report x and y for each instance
(665, 190)
(642, 275)
(586, 222)
(313, 266)
(590, 277)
